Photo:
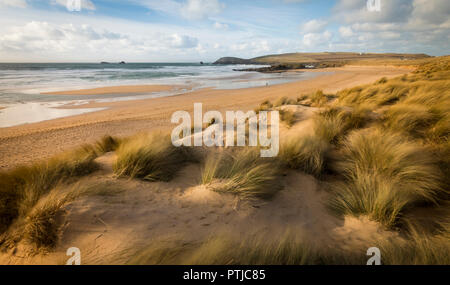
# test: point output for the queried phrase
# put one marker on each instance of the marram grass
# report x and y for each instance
(242, 172)
(384, 174)
(150, 157)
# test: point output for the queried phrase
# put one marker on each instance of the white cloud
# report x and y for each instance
(316, 39)
(401, 25)
(200, 9)
(346, 31)
(182, 41)
(220, 26)
(13, 3)
(189, 9)
(45, 41)
(313, 26)
(85, 4)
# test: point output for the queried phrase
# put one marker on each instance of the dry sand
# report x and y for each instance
(31, 142)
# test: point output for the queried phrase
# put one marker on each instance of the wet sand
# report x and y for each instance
(32, 142)
(118, 90)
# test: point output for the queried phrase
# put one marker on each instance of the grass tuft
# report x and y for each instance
(150, 157)
(333, 123)
(106, 144)
(41, 225)
(412, 119)
(288, 117)
(22, 187)
(306, 153)
(242, 172)
(384, 174)
(290, 248)
(284, 101)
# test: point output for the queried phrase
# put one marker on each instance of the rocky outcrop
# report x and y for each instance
(234, 60)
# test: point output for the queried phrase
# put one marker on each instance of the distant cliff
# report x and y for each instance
(233, 60)
(287, 61)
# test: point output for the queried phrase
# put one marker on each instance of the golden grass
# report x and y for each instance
(412, 119)
(40, 226)
(264, 106)
(334, 122)
(287, 117)
(150, 157)
(22, 187)
(420, 248)
(306, 153)
(384, 174)
(284, 101)
(289, 248)
(106, 144)
(316, 99)
(242, 172)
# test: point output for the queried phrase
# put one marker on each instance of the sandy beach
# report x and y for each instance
(30, 142)
(132, 89)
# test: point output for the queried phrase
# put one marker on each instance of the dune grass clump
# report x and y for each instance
(106, 144)
(150, 157)
(382, 80)
(386, 93)
(333, 123)
(288, 117)
(411, 119)
(21, 188)
(316, 99)
(264, 106)
(253, 250)
(329, 126)
(242, 172)
(293, 249)
(442, 153)
(306, 153)
(289, 248)
(440, 131)
(284, 101)
(419, 248)
(40, 226)
(384, 174)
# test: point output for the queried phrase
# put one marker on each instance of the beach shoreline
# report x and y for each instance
(32, 142)
(121, 89)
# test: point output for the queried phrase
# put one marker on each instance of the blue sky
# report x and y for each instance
(194, 30)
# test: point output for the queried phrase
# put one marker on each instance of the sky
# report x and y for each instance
(205, 30)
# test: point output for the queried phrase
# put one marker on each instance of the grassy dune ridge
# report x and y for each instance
(25, 187)
(381, 150)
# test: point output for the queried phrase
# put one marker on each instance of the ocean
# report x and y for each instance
(22, 84)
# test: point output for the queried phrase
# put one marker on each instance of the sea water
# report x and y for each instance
(22, 85)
